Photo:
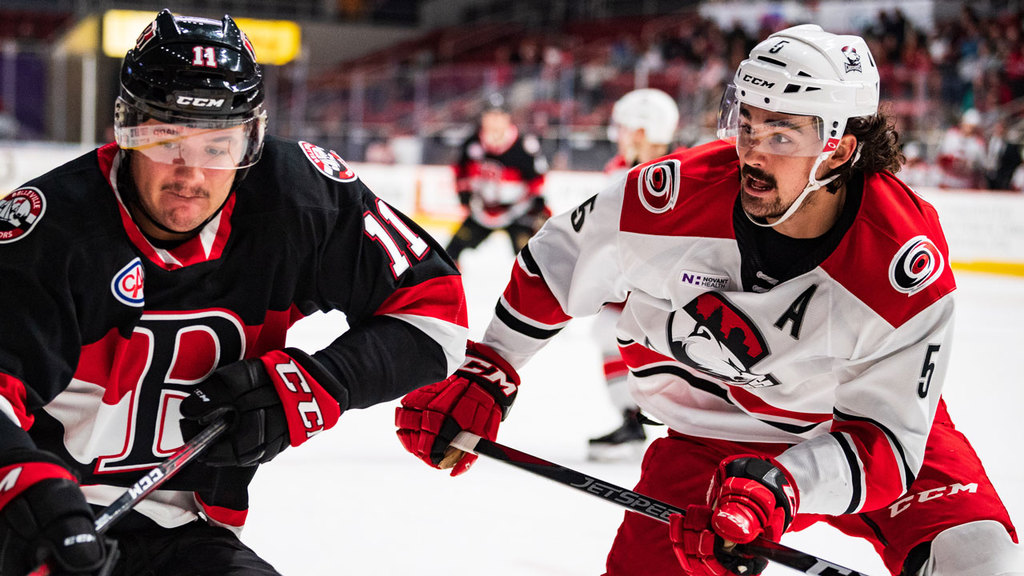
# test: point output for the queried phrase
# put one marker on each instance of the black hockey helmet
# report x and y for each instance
(192, 80)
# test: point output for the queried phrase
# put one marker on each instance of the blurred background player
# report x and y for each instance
(643, 126)
(500, 179)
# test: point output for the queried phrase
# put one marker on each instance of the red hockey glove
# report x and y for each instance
(476, 399)
(281, 399)
(749, 497)
(44, 517)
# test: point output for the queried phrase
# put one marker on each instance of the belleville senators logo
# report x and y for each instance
(19, 212)
(328, 162)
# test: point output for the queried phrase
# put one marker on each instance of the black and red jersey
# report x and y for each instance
(104, 333)
(501, 181)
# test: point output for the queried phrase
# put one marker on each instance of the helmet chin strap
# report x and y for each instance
(812, 184)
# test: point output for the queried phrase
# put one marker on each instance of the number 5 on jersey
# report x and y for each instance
(375, 229)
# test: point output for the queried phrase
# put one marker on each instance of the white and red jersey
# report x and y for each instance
(842, 356)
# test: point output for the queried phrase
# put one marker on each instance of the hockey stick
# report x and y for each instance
(151, 481)
(799, 561)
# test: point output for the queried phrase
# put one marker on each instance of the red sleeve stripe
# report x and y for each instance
(881, 458)
(528, 296)
(12, 401)
(225, 517)
(639, 356)
(17, 478)
(441, 298)
(756, 405)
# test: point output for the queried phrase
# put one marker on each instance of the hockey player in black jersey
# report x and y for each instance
(146, 289)
(500, 179)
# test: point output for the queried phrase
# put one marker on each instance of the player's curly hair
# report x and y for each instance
(880, 147)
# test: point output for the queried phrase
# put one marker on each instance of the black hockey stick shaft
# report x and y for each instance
(152, 480)
(784, 555)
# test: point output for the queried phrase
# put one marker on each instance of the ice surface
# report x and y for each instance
(352, 501)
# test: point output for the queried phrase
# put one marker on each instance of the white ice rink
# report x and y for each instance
(352, 501)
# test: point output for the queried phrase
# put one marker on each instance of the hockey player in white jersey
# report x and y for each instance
(643, 126)
(789, 317)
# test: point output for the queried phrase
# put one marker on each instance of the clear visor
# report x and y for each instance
(223, 144)
(775, 133)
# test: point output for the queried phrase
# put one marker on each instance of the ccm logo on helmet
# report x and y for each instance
(200, 102)
(757, 81)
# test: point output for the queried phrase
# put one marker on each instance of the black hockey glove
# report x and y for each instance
(44, 518)
(281, 399)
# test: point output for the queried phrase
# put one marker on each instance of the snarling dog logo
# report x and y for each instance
(852, 63)
(916, 265)
(712, 336)
(19, 212)
(658, 185)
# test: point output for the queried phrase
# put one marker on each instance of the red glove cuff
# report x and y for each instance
(17, 478)
(308, 407)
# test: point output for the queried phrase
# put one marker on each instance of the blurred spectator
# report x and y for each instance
(917, 171)
(1002, 156)
(962, 153)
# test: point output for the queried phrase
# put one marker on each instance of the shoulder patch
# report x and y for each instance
(658, 185)
(328, 162)
(916, 264)
(20, 211)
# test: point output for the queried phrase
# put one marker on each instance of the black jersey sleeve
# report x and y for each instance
(400, 292)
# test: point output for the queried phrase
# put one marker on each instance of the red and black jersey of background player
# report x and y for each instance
(104, 333)
(502, 176)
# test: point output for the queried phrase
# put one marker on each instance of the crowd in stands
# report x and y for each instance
(955, 89)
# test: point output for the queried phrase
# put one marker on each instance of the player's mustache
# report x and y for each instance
(182, 189)
(758, 174)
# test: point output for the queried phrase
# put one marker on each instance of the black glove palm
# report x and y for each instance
(49, 520)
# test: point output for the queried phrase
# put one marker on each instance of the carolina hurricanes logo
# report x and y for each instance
(852, 63)
(718, 339)
(19, 212)
(916, 265)
(127, 284)
(328, 162)
(658, 186)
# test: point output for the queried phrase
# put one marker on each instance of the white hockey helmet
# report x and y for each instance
(648, 108)
(806, 71)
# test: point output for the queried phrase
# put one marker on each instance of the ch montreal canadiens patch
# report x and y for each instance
(128, 283)
(328, 162)
(916, 265)
(658, 186)
(20, 211)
